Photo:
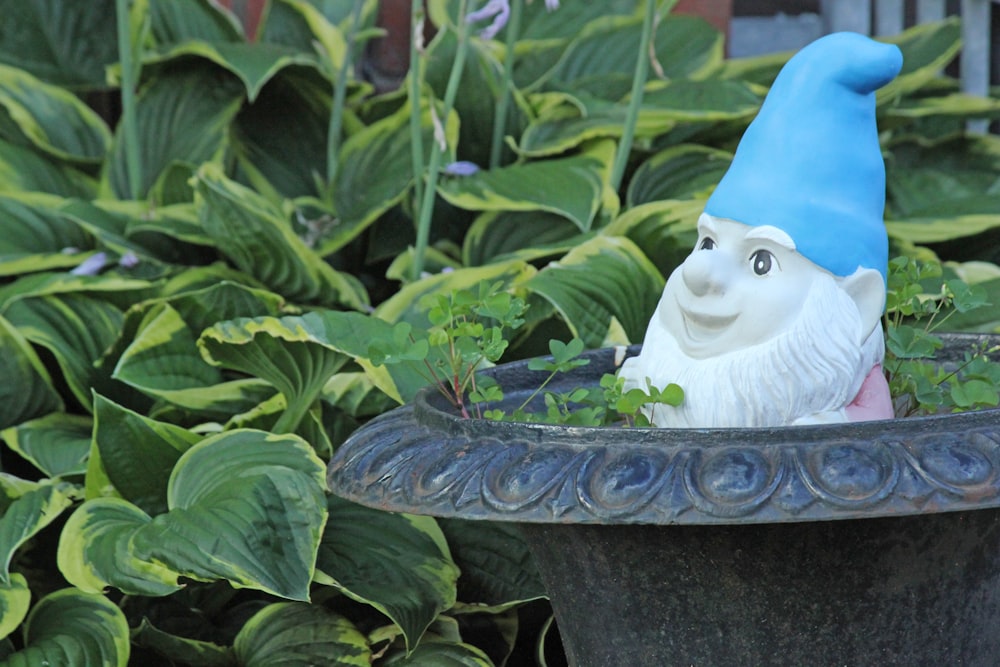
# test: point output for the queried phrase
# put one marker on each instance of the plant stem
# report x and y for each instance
(415, 84)
(500, 122)
(638, 83)
(339, 94)
(427, 202)
(129, 81)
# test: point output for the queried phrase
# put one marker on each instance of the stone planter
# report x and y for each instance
(861, 544)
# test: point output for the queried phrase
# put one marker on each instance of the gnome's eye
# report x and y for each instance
(762, 261)
(706, 244)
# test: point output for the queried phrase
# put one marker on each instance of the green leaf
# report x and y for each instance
(525, 235)
(138, 453)
(52, 119)
(163, 358)
(66, 44)
(27, 391)
(604, 279)
(70, 628)
(293, 353)
(571, 187)
(398, 553)
(247, 506)
(176, 21)
(76, 329)
(25, 170)
(15, 598)
(182, 649)
(297, 634)
(679, 172)
(664, 230)
(441, 654)
(57, 444)
(26, 509)
(253, 64)
(497, 567)
(685, 46)
(96, 551)
(260, 242)
(974, 393)
(183, 115)
(374, 170)
(287, 159)
(37, 237)
(926, 48)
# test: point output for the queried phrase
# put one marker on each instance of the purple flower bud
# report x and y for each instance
(551, 5)
(91, 266)
(461, 168)
(498, 10)
(128, 260)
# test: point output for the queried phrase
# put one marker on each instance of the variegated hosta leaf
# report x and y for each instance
(440, 654)
(679, 172)
(926, 48)
(522, 235)
(571, 187)
(138, 453)
(76, 329)
(37, 237)
(181, 649)
(66, 44)
(70, 628)
(95, 551)
(400, 553)
(293, 634)
(25, 509)
(180, 21)
(27, 390)
(260, 242)
(296, 354)
(604, 279)
(54, 120)
(57, 444)
(245, 506)
(287, 159)
(374, 171)
(162, 359)
(254, 64)
(15, 598)
(686, 47)
(575, 118)
(497, 568)
(25, 170)
(665, 230)
(183, 115)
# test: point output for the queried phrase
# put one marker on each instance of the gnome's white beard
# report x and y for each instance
(807, 373)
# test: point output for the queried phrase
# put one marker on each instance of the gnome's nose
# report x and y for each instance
(706, 272)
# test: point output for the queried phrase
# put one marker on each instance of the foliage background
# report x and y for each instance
(187, 307)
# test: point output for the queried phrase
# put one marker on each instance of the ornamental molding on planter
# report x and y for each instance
(421, 458)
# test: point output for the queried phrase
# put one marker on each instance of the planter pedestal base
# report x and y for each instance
(908, 591)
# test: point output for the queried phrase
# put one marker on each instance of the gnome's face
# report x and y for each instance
(740, 287)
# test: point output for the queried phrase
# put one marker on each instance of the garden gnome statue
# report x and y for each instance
(775, 316)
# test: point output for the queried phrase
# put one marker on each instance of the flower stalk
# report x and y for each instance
(339, 95)
(129, 83)
(439, 147)
(638, 84)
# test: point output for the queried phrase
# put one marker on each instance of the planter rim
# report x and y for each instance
(423, 459)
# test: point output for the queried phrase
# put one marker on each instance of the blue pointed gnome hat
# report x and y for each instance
(810, 163)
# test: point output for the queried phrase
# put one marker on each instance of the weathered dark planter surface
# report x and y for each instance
(863, 544)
